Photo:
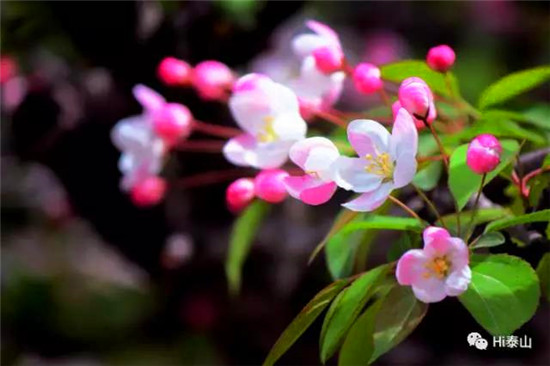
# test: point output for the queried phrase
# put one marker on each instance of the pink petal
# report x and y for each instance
(405, 170)
(436, 241)
(324, 30)
(148, 98)
(410, 267)
(318, 195)
(295, 185)
(457, 282)
(459, 256)
(371, 200)
(304, 44)
(429, 290)
(368, 137)
(238, 149)
(350, 174)
(404, 135)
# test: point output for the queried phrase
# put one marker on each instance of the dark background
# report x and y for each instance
(89, 279)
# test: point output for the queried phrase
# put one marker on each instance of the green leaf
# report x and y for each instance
(303, 320)
(346, 308)
(501, 127)
(401, 70)
(427, 178)
(400, 246)
(463, 182)
(512, 85)
(538, 115)
(400, 313)
(543, 271)
(539, 216)
(340, 251)
(242, 235)
(536, 187)
(489, 240)
(482, 216)
(385, 222)
(504, 292)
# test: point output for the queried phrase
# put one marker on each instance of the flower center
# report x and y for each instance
(438, 267)
(313, 173)
(381, 165)
(267, 134)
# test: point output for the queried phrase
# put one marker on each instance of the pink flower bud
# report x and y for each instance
(416, 97)
(328, 59)
(269, 185)
(417, 122)
(173, 72)
(148, 192)
(483, 154)
(239, 194)
(172, 122)
(212, 79)
(441, 58)
(366, 78)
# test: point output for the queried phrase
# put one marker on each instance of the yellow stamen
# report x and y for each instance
(381, 165)
(438, 267)
(268, 134)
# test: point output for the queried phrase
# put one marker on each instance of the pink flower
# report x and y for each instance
(315, 156)
(366, 78)
(441, 58)
(396, 106)
(438, 270)
(483, 154)
(385, 161)
(324, 46)
(417, 98)
(269, 114)
(239, 194)
(269, 185)
(212, 79)
(174, 72)
(148, 192)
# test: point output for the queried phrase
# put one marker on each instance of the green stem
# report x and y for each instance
(476, 202)
(431, 205)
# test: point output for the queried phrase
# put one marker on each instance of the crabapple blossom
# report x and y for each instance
(441, 58)
(174, 72)
(239, 194)
(324, 46)
(172, 122)
(212, 79)
(269, 185)
(269, 114)
(315, 156)
(396, 106)
(385, 161)
(417, 98)
(483, 154)
(438, 270)
(366, 78)
(148, 192)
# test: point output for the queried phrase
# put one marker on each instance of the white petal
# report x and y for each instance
(370, 201)
(368, 137)
(250, 110)
(305, 44)
(458, 281)
(290, 126)
(429, 290)
(405, 169)
(320, 161)
(132, 133)
(350, 174)
(404, 136)
(244, 150)
(148, 98)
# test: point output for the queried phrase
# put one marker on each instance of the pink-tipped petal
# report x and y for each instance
(300, 151)
(458, 281)
(405, 145)
(244, 150)
(410, 267)
(350, 174)
(239, 150)
(430, 290)
(370, 201)
(437, 241)
(459, 255)
(318, 195)
(323, 30)
(303, 45)
(368, 137)
(296, 184)
(148, 98)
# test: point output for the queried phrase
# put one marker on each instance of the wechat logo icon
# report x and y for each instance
(475, 339)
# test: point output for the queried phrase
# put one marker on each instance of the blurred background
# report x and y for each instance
(89, 279)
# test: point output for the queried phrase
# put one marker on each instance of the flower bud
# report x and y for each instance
(441, 58)
(269, 185)
(366, 78)
(239, 194)
(396, 106)
(328, 59)
(212, 79)
(483, 154)
(417, 98)
(148, 192)
(173, 72)
(172, 122)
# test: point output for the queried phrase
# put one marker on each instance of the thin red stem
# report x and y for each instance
(220, 131)
(331, 118)
(212, 177)
(207, 146)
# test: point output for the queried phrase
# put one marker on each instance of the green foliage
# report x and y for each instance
(482, 216)
(303, 320)
(504, 292)
(489, 240)
(501, 127)
(343, 218)
(401, 70)
(384, 222)
(463, 182)
(346, 308)
(405, 242)
(538, 115)
(539, 216)
(341, 249)
(513, 85)
(543, 271)
(427, 178)
(242, 235)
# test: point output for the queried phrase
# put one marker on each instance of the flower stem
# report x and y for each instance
(476, 202)
(431, 205)
(331, 118)
(406, 208)
(212, 177)
(385, 98)
(220, 131)
(207, 146)
(439, 144)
